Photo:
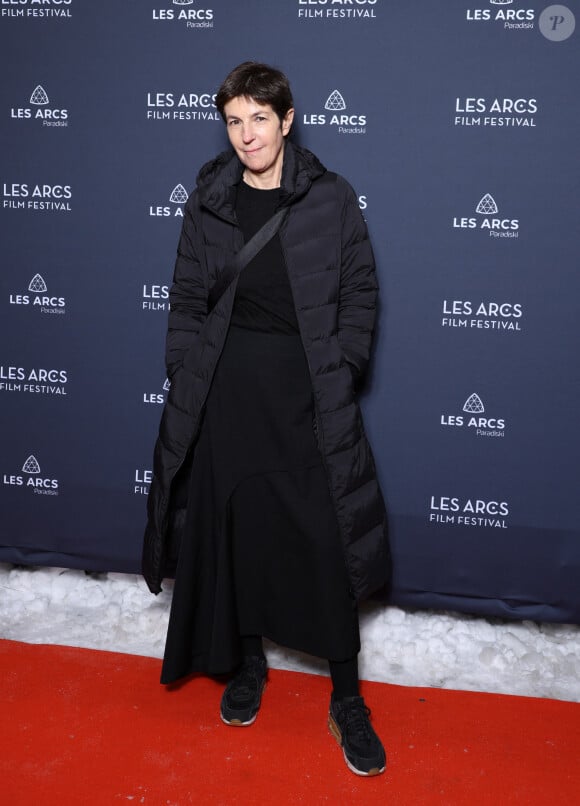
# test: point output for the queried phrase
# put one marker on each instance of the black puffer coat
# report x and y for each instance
(331, 270)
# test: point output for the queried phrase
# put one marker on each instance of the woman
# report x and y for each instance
(264, 483)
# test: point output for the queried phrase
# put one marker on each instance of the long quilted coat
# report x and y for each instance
(331, 271)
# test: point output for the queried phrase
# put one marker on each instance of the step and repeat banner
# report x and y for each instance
(458, 125)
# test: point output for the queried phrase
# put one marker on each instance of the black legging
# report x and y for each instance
(343, 673)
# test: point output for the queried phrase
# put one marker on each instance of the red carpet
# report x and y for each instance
(85, 727)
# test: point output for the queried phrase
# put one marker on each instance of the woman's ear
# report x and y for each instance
(287, 122)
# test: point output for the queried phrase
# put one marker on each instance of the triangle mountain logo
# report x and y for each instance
(487, 205)
(178, 195)
(37, 285)
(31, 465)
(473, 405)
(335, 102)
(39, 96)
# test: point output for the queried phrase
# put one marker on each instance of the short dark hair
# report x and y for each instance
(262, 83)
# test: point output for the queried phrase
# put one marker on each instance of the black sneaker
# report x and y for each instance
(242, 696)
(348, 720)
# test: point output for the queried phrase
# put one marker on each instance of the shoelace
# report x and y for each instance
(246, 684)
(357, 721)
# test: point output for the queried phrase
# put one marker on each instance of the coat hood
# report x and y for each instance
(218, 177)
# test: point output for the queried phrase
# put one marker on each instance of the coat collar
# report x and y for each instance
(217, 179)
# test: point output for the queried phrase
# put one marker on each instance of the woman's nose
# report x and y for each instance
(247, 134)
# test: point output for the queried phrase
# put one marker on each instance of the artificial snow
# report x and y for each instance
(116, 612)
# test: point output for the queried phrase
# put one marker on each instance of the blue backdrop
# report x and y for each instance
(458, 125)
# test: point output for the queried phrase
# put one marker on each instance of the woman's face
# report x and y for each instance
(257, 135)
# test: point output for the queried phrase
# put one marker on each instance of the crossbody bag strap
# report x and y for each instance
(247, 253)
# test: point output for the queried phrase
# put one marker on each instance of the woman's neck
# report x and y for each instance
(265, 181)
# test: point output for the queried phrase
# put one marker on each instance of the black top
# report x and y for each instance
(264, 299)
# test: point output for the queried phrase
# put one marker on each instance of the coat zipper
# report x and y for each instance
(320, 436)
(196, 431)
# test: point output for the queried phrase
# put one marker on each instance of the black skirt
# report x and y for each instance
(262, 554)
